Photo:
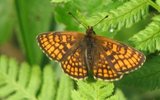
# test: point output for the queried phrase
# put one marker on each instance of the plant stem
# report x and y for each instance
(157, 7)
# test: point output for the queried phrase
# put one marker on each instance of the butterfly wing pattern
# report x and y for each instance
(115, 59)
(63, 47)
(105, 58)
(75, 65)
(57, 45)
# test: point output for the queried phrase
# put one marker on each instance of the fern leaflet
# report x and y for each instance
(24, 82)
(99, 90)
(122, 17)
(149, 38)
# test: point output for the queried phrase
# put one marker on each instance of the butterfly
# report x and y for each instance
(81, 54)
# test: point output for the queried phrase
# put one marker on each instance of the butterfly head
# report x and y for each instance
(90, 31)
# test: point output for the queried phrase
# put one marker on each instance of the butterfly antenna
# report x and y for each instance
(77, 20)
(101, 20)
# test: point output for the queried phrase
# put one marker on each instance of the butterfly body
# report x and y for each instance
(81, 54)
(90, 44)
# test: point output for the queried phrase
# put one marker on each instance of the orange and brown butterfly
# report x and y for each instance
(81, 54)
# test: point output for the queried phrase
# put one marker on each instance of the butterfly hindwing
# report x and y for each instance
(103, 68)
(74, 64)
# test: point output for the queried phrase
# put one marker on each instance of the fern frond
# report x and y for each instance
(125, 15)
(64, 89)
(93, 91)
(149, 38)
(48, 88)
(99, 90)
(89, 9)
(18, 82)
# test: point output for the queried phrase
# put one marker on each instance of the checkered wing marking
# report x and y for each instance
(75, 65)
(123, 59)
(57, 44)
(103, 68)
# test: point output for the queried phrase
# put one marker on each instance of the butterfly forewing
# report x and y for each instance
(117, 57)
(56, 45)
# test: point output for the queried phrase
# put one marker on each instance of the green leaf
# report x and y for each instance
(118, 15)
(158, 2)
(59, 1)
(48, 89)
(88, 10)
(7, 19)
(122, 17)
(25, 82)
(64, 89)
(34, 17)
(99, 90)
(118, 95)
(146, 78)
(149, 38)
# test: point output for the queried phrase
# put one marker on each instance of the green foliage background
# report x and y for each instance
(34, 77)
